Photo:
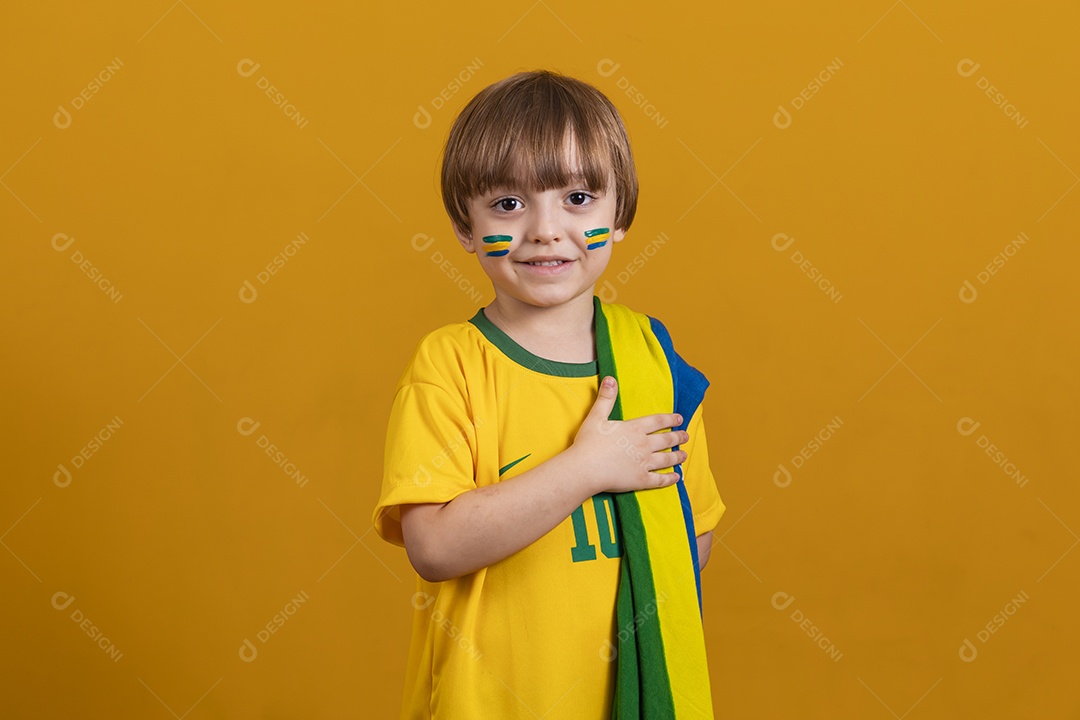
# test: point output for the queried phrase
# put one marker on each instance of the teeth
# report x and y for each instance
(547, 263)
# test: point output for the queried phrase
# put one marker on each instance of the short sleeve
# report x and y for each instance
(430, 447)
(705, 502)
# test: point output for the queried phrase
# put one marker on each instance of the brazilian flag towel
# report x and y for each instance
(662, 671)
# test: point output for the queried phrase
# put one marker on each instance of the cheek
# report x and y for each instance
(496, 245)
(597, 238)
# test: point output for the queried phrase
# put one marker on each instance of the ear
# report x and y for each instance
(618, 235)
(465, 238)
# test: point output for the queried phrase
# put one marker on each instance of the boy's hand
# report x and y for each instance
(623, 455)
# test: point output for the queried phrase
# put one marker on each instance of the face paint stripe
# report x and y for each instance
(599, 237)
(498, 245)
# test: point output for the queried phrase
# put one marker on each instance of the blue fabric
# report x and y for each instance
(689, 386)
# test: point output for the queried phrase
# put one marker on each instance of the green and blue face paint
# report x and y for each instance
(597, 238)
(496, 245)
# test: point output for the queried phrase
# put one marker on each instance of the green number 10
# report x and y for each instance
(604, 507)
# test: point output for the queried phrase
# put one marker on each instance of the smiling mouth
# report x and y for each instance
(546, 263)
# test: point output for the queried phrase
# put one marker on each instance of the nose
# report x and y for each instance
(544, 228)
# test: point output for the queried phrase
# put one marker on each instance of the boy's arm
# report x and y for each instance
(487, 524)
(482, 526)
(704, 549)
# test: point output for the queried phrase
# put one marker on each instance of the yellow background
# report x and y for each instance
(180, 180)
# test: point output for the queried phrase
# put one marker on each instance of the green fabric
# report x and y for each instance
(642, 686)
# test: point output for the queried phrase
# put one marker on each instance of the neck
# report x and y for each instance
(563, 332)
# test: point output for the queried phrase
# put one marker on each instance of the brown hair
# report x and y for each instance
(514, 131)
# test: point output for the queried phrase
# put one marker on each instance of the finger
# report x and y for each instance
(663, 479)
(664, 440)
(665, 459)
(605, 400)
(660, 421)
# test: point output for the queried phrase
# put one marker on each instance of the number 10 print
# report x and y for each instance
(604, 507)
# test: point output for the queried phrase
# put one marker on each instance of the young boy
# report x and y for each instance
(505, 480)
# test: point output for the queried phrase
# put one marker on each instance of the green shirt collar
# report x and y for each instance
(525, 358)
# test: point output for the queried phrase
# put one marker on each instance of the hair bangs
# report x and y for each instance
(538, 131)
(547, 149)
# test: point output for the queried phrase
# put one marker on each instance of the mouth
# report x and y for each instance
(546, 261)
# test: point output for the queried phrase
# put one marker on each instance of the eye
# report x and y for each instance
(579, 198)
(507, 204)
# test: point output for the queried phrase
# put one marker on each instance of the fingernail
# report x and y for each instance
(609, 381)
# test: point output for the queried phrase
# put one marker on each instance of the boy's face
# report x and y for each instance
(570, 230)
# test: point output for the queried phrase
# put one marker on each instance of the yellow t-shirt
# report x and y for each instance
(532, 635)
